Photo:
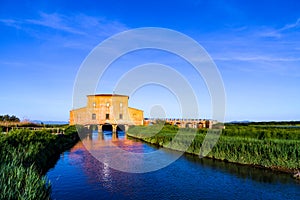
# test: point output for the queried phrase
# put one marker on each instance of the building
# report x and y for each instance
(183, 123)
(107, 109)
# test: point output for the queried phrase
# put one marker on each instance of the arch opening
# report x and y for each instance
(121, 128)
(189, 125)
(107, 128)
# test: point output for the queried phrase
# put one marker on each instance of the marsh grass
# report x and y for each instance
(19, 182)
(24, 156)
(267, 147)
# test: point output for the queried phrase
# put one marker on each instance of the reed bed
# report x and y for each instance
(24, 156)
(277, 148)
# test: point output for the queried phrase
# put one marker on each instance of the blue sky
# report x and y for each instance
(255, 44)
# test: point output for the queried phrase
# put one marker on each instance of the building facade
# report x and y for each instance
(104, 109)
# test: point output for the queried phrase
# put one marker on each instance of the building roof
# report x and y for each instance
(135, 109)
(108, 95)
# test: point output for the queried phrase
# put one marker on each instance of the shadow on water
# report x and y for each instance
(79, 175)
(257, 174)
(242, 171)
(260, 175)
(51, 163)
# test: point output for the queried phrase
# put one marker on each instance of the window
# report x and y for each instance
(94, 104)
(121, 105)
(107, 104)
(121, 116)
(93, 116)
(107, 116)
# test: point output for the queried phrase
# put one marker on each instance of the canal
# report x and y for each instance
(78, 175)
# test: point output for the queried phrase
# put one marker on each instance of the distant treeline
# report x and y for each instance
(7, 123)
(8, 118)
(271, 123)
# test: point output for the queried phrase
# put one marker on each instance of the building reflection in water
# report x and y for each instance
(100, 174)
(97, 143)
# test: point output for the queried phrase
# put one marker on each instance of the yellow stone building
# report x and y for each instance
(104, 109)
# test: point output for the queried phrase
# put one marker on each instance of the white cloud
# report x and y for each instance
(270, 33)
(277, 33)
(80, 24)
(257, 58)
(11, 22)
(291, 26)
(54, 21)
(76, 26)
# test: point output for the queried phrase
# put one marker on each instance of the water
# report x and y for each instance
(78, 175)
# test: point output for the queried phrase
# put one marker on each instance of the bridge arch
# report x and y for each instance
(189, 125)
(107, 127)
(121, 127)
(93, 127)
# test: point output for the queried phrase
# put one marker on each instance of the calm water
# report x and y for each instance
(78, 175)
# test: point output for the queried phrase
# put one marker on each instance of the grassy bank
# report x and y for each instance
(271, 147)
(24, 156)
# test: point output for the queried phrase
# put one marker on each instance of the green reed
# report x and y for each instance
(24, 156)
(269, 147)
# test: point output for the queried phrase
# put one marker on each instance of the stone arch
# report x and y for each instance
(121, 127)
(178, 124)
(107, 127)
(93, 127)
(189, 125)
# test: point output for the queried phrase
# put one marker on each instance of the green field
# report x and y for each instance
(261, 145)
(24, 156)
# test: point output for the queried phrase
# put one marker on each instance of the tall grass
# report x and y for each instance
(24, 156)
(263, 132)
(19, 182)
(245, 146)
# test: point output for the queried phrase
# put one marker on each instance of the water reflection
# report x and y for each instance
(242, 171)
(97, 141)
(78, 175)
(99, 171)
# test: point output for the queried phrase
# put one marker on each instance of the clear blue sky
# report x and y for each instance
(255, 44)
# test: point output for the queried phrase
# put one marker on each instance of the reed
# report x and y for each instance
(271, 147)
(19, 182)
(24, 156)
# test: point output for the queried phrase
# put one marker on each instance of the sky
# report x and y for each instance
(254, 44)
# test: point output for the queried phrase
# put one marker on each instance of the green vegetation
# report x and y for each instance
(272, 147)
(263, 131)
(270, 123)
(7, 118)
(24, 156)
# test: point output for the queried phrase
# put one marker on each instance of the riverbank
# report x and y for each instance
(265, 147)
(25, 155)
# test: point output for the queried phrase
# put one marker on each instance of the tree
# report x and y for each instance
(7, 118)
(13, 118)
